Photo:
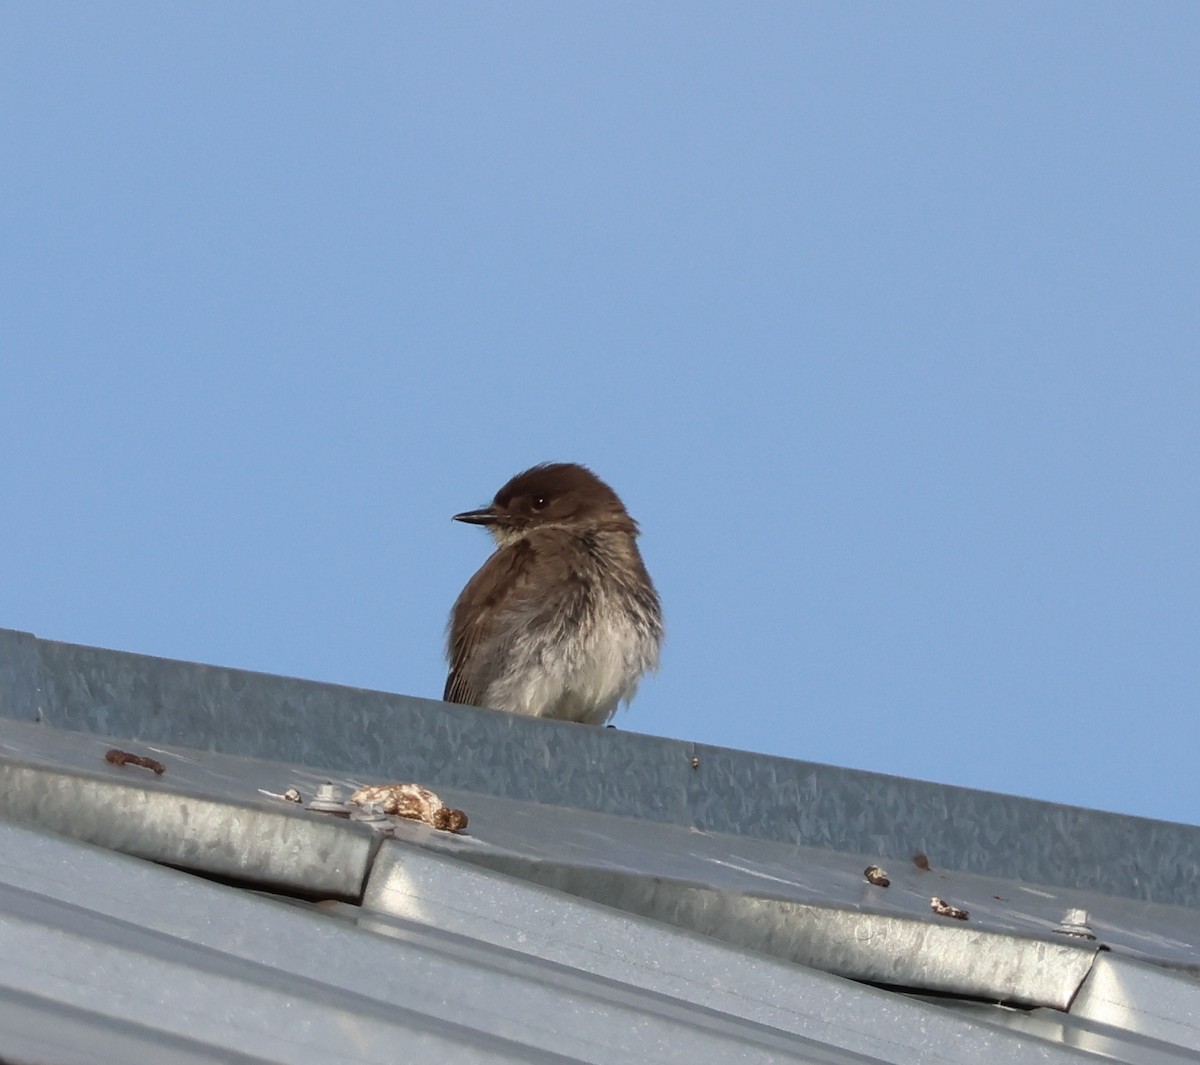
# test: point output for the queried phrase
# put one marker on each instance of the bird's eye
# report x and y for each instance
(539, 502)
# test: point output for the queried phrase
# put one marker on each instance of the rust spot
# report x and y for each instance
(118, 757)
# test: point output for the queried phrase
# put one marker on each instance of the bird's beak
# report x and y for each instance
(486, 516)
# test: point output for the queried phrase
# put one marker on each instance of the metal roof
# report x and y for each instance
(615, 897)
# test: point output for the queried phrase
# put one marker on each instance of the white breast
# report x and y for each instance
(580, 678)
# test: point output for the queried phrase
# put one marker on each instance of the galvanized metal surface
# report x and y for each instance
(1144, 999)
(1100, 1042)
(219, 834)
(161, 951)
(208, 812)
(430, 890)
(47, 1031)
(812, 905)
(381, 736)
(107, 959)
(817, 912)
(269, 848)
(461, 951)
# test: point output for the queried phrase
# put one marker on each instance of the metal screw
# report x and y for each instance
(371, 813)
(1075, 923)
(328, 800)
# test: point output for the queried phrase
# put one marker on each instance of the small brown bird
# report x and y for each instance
(562, 620)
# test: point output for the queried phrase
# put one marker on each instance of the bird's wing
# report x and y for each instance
(489, 613)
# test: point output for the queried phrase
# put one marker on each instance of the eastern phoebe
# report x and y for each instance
(562, 620)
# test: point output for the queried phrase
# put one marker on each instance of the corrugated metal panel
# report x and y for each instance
(1145, 999)
(480, 905)
(168, 956)
(1107, 1042)
(274, 847)
(382, 736)
(147, 964)
(800, 903)
(47, 1031)
(589, 930)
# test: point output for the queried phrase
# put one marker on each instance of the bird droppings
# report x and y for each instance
(412, 801)
(291, 795)
(119, 757)
(943, 909)
(876, 876)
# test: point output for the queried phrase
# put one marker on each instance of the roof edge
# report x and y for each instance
(386, 736)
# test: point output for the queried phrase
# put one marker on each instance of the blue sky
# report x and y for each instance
(882, 319)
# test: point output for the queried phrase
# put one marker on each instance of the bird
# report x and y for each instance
(562, 620)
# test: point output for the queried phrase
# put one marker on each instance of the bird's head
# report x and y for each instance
(553, 494)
